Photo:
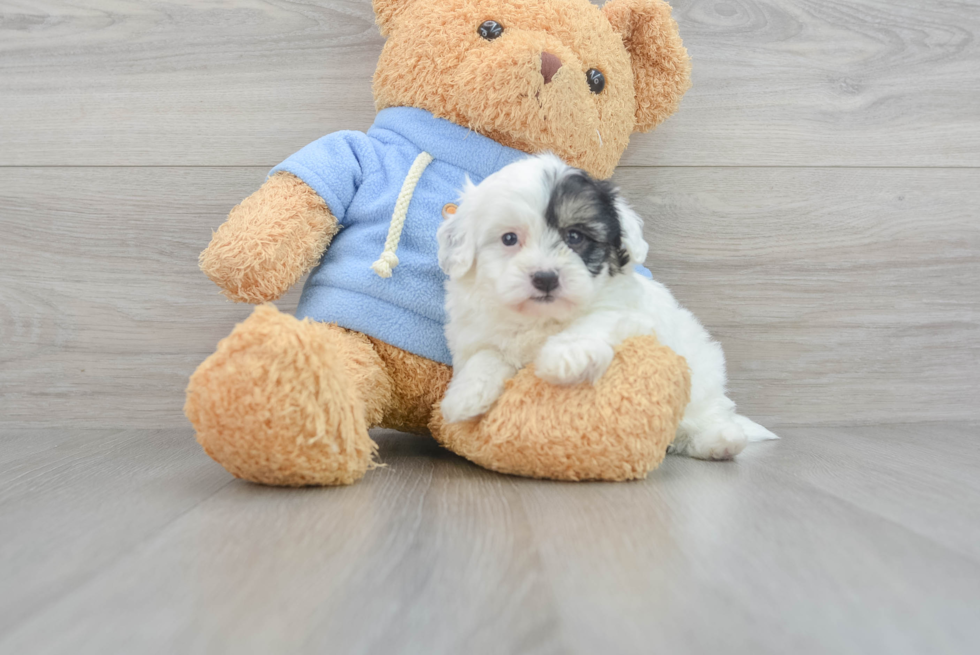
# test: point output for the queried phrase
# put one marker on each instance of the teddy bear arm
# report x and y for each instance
(616, 429)
(269, 241)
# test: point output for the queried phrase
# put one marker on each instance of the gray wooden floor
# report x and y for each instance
(816, 202)
(834, 540)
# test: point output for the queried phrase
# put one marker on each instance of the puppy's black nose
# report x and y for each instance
(546, 281)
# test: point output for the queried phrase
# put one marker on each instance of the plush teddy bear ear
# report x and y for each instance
(385, 12)
(661, 67)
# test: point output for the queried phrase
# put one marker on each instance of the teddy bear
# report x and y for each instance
(462, 88)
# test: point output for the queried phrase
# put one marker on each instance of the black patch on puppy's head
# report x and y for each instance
(582, 204)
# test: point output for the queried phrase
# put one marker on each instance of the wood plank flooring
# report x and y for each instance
(833, 540)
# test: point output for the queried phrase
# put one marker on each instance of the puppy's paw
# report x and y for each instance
(468, 400)
(718, 441)
(565, 360)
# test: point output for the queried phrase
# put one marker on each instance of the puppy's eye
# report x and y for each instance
(509, 239)
(597, 81)
(490, 30)
(574, 237)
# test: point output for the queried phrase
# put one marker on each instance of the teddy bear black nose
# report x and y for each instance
(546, 281)
(549, 66)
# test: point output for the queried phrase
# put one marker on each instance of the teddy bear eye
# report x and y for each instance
(490, 30)
(597, 81)
(509, 239)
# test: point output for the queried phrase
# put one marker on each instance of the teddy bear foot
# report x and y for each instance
(275, 404)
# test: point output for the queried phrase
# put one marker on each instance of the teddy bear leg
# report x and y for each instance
(289, 402)
(417, 386)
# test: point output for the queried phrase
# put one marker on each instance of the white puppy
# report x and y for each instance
(541, 264)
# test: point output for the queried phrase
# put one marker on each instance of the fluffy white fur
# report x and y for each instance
(498, 322)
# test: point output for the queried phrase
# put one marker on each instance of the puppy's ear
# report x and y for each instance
(661, 67)
(456, 248)
(632, 226)
(457, 244)
(385, 12)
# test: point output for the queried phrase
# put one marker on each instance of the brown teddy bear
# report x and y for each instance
(463, 87)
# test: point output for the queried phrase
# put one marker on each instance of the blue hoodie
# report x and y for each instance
(360, 177)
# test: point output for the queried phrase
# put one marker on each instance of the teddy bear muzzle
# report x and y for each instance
(550, 64)
(525, 90)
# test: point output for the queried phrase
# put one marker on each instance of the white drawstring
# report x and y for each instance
(389, 259)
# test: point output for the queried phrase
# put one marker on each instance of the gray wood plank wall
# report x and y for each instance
(815, 201)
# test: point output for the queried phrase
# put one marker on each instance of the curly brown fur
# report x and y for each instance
(618, 429)
(277, 405)
(417, 384)
(269, 241)
(289, 402)
(661, 67)
(435, 59)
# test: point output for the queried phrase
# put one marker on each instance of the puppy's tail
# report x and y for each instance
(753, 430)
